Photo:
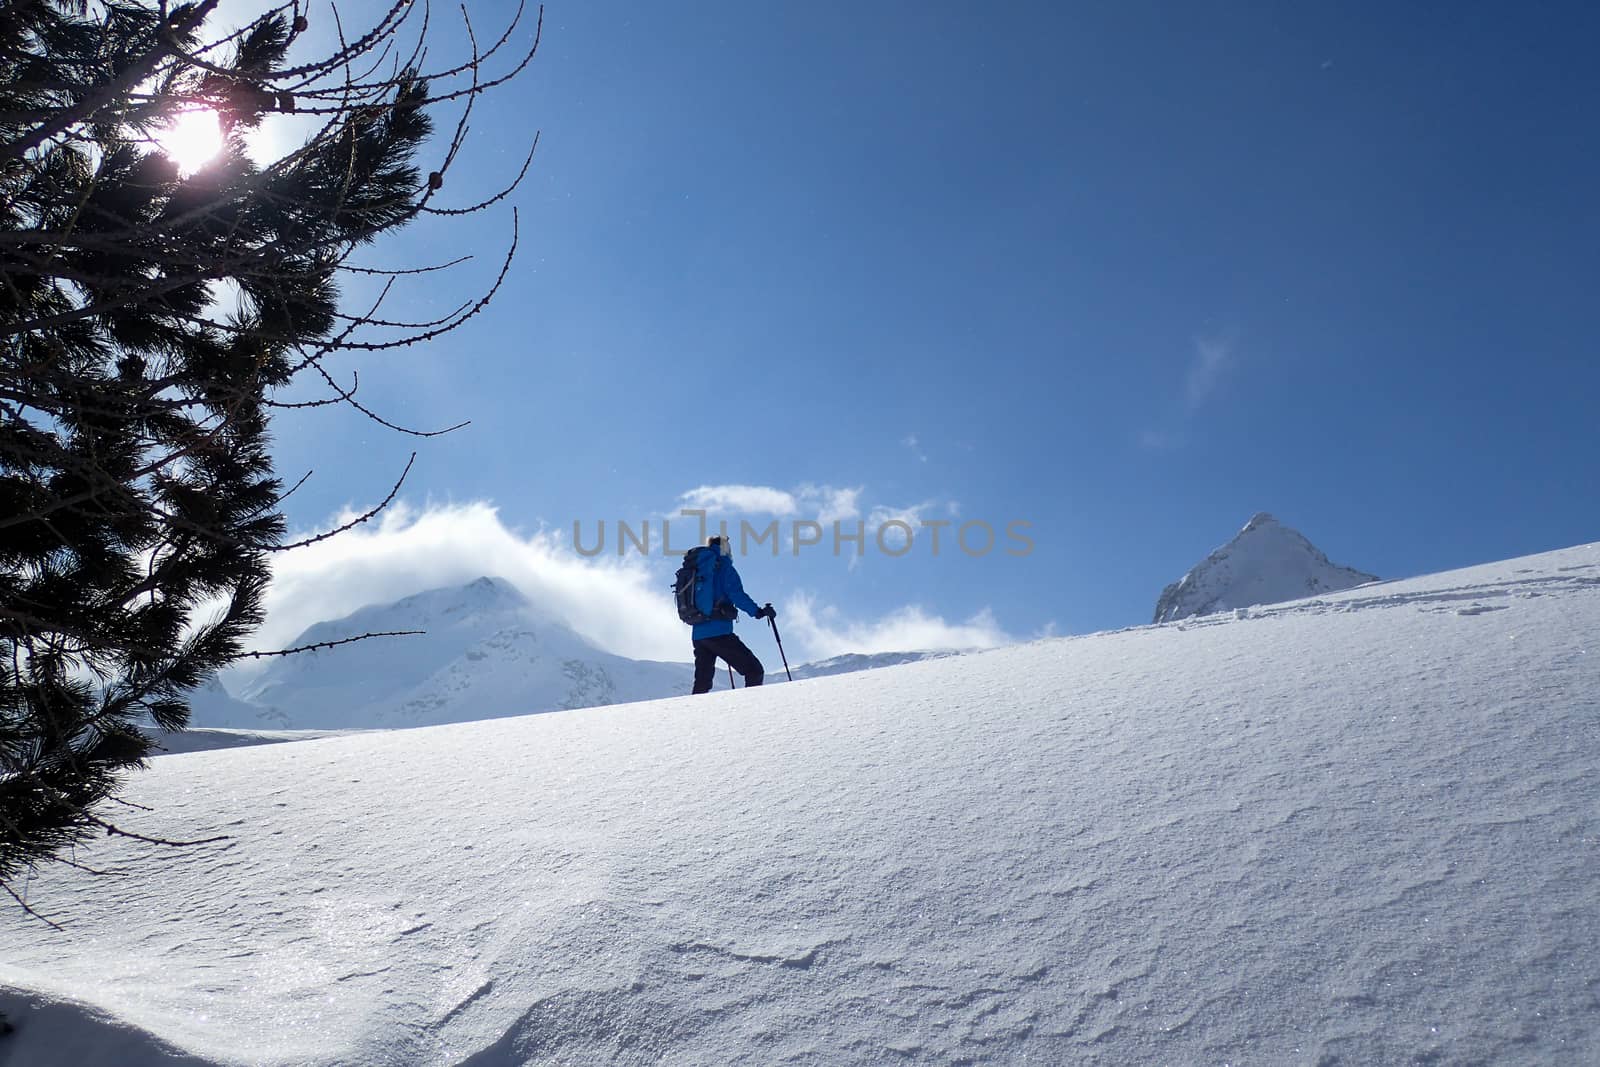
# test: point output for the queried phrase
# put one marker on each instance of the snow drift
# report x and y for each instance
(1265, 563)
(1352, 829)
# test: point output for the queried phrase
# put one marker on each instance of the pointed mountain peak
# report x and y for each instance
(490, 588)
(1266, 562)
(1259, 520)
(482, 593)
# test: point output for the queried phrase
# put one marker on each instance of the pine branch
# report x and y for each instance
(135, 73)
(136, 484)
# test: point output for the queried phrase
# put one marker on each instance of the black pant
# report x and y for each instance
(730, 648)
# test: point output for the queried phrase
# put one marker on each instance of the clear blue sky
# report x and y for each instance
(1128, 271)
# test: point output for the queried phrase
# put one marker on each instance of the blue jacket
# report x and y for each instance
(726, 586)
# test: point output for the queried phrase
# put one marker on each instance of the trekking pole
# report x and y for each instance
(730, 676)
(773, 622)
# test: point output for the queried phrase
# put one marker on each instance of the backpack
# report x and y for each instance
(695, 585)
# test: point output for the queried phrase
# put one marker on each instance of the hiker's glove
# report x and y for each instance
(768, 612)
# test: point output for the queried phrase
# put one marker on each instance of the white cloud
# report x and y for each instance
(821, 632)
(741, 500)
(832, 505)
(912, 442)
(895, 537)
(911, 516)
(623, 605)
(824, 503)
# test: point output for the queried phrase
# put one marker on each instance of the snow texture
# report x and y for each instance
(1265, 563)
(1355, 829)
(206, 739)
(859, 661)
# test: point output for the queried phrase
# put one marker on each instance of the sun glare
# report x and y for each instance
(192, 140)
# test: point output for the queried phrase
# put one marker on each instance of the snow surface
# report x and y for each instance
(1265, 563)
(1355, 829)
(861, 661)
(205, 739)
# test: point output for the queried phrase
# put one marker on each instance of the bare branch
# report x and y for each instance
(482, 302)
(90, 870)
(497, 197)
(113, 830)
(329, 644)
(349, 398)
(358, 520)
(26, 907)
(411, 270)
(285, 496)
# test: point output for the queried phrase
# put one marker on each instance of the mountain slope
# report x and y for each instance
(1265, 563)
(487, 652)
(863, 661)
(205, 739)
(1354, 829)
(212, 705)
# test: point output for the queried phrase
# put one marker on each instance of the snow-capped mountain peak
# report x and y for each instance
(486, 650)
(1265, 563)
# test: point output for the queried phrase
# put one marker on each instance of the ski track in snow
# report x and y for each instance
(1354, 829)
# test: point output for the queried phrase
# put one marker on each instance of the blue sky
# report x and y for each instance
(1129, 272)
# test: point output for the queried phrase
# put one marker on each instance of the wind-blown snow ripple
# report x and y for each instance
(1354, 830)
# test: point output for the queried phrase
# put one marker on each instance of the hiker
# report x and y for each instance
(710, 596)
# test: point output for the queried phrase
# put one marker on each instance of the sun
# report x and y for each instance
(192, 140)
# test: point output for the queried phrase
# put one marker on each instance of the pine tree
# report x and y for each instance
(138, 503)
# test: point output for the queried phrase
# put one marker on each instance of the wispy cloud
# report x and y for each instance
(824, 632)
(622, 604)
(1157, 440)
(1213, 356)
(912, 516)
(911, 441)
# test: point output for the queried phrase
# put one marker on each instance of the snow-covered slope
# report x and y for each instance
(213, 705)
(1357, 829)
(859, 661)
(1265, 563)
(205, 739)
(486, 652)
